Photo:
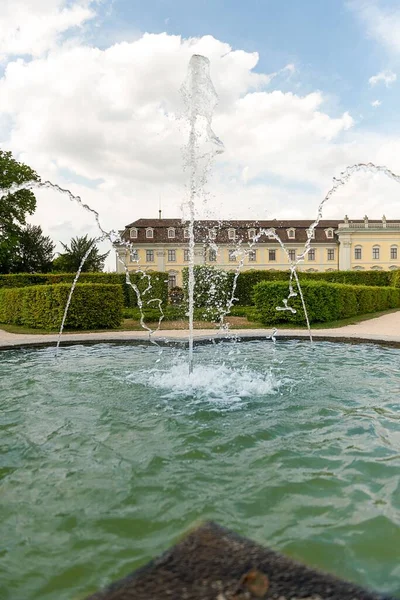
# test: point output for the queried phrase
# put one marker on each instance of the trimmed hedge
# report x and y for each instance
(212, 289)
(324, 301)
(93, 306)
(159, 283)
(248, 279)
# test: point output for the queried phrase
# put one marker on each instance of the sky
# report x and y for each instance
(89, 97)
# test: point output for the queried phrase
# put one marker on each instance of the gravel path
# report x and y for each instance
(385, 328)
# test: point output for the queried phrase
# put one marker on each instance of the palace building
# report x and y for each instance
(162, 245)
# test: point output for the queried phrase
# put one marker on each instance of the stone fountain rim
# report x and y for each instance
(203, 340)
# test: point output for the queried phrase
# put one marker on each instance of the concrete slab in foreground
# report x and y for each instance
(213, 563)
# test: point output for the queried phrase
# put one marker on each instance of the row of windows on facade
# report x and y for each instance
(376, 253)
(232, 235)
(252, 255)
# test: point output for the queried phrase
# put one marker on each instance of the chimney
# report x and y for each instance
(159, 213)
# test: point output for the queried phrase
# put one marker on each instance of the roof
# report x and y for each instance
(202, 227)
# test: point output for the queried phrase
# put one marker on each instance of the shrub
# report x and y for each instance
(324, 301)
(248, 279)
(93, 306)
(158, 281)
(212, 290)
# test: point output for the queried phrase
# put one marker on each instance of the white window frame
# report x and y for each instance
(378, 248)
(133, 233)
(149, 233)
(252, 234)
(311, 234)
(171, 233)
(171, 252)
(252, 255)
(358, 247)
(147, 255)
(212, 233)
(231, 233)
(394, 247)
(232, 255)
(291, 233)
(186, 233)
(329, 233)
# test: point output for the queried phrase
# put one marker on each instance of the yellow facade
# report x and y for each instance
(352, 245)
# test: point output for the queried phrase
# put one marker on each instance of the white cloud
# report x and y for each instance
(114, 122)
(376, 103)
(382, 23)
(386, 77)
(33, 27)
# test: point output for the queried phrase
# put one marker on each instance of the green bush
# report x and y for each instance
(158, 280)
(324, 301)
(248, 279)
(212, 290)
(93, 306)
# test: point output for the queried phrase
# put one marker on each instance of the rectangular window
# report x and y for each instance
(149, 255)
(393, 253)
(311, 233)
(231, 234)
(134, 256)
(149, 233)
(212, 255)
(271, 255)
(171, 233)
(171, 255)
(357, 253)
(252, 255)
(133, 233)
(311, 254)
(292, 255)
(232, 255)
(171, 281)
(186, 255)
(186, 233)
(331, 255)
(375, 253)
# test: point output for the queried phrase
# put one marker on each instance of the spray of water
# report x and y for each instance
(112, 237)
(200, 99)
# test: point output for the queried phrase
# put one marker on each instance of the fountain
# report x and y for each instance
(110, 454)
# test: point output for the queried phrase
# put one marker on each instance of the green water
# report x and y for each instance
(110, 453)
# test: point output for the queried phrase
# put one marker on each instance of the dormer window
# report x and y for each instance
(270, 233)
(133, 233)
(311, 234)
(291, 233)
(149, 233)
(329, 233)
(186, 233)
(252, 234)
(212, 234)
(171, 233)
(231, 234)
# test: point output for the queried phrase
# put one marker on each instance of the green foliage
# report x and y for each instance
(395, 278)
(212, 290)
(158, 281)
(248, 279)
(324, 301)
(13, 207)
(71, 258)
(93, 306)
(33, 251)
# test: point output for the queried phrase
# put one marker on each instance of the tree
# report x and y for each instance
(13, 207)
(70, 260)
(34, 252)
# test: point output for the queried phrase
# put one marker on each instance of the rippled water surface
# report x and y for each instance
(109, 454)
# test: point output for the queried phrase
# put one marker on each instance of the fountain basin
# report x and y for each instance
(110, 453)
